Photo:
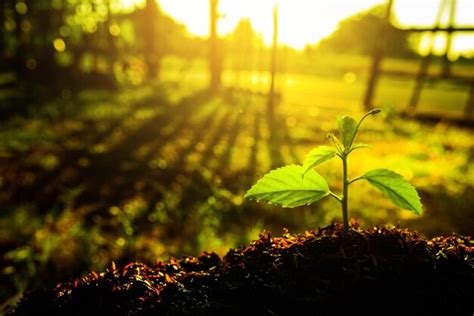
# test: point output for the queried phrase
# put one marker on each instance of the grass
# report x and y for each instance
(160, 169)
(347, 90)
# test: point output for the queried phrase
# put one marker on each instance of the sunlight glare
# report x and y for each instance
(303, 22)
(127, 4)
(408, 15)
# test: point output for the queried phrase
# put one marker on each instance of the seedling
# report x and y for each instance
(294, 185)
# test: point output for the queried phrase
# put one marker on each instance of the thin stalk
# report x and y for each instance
(371, 112)
(335, 196)
(345, 193)
(356, 179)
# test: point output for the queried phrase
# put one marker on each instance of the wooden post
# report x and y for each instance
(469, 109)
(111, 39)
(271, 93)
(449, 38)
(151, 15)
(419, 80)
(261, 66)
(376, 61)
(214, 57)
(425, 62)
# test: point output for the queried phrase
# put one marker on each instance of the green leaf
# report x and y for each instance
(360, 146)
(347, 128)
(395, 188)
(286, 186)
(317, 156)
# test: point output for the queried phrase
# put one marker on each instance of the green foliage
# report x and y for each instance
(293, 186)
(395, 188)
(294, 191)
(89, 43)
(358, 34)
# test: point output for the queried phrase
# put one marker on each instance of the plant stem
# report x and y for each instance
(335, 196)
(356, 179)
(371, 112)
(345, 193)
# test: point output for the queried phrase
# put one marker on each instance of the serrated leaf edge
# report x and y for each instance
(253, 198)
(319, 161)
(401, 196)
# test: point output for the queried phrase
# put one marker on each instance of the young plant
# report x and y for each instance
(294, 185)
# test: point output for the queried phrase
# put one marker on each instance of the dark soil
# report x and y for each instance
(380, 270)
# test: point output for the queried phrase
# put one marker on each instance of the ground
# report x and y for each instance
(325, 272)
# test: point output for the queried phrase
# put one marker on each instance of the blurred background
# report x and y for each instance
(131, 129)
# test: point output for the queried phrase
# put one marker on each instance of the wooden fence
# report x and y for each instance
(422, 76)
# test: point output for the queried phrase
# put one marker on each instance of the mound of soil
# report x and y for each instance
(378, 270)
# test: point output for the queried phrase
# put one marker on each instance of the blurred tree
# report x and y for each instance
(158, 35)
(273, 68)
(357, 35)
(151, 38)
(243, 42)
(78, 44)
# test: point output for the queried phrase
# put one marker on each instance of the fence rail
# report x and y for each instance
(376, 70)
